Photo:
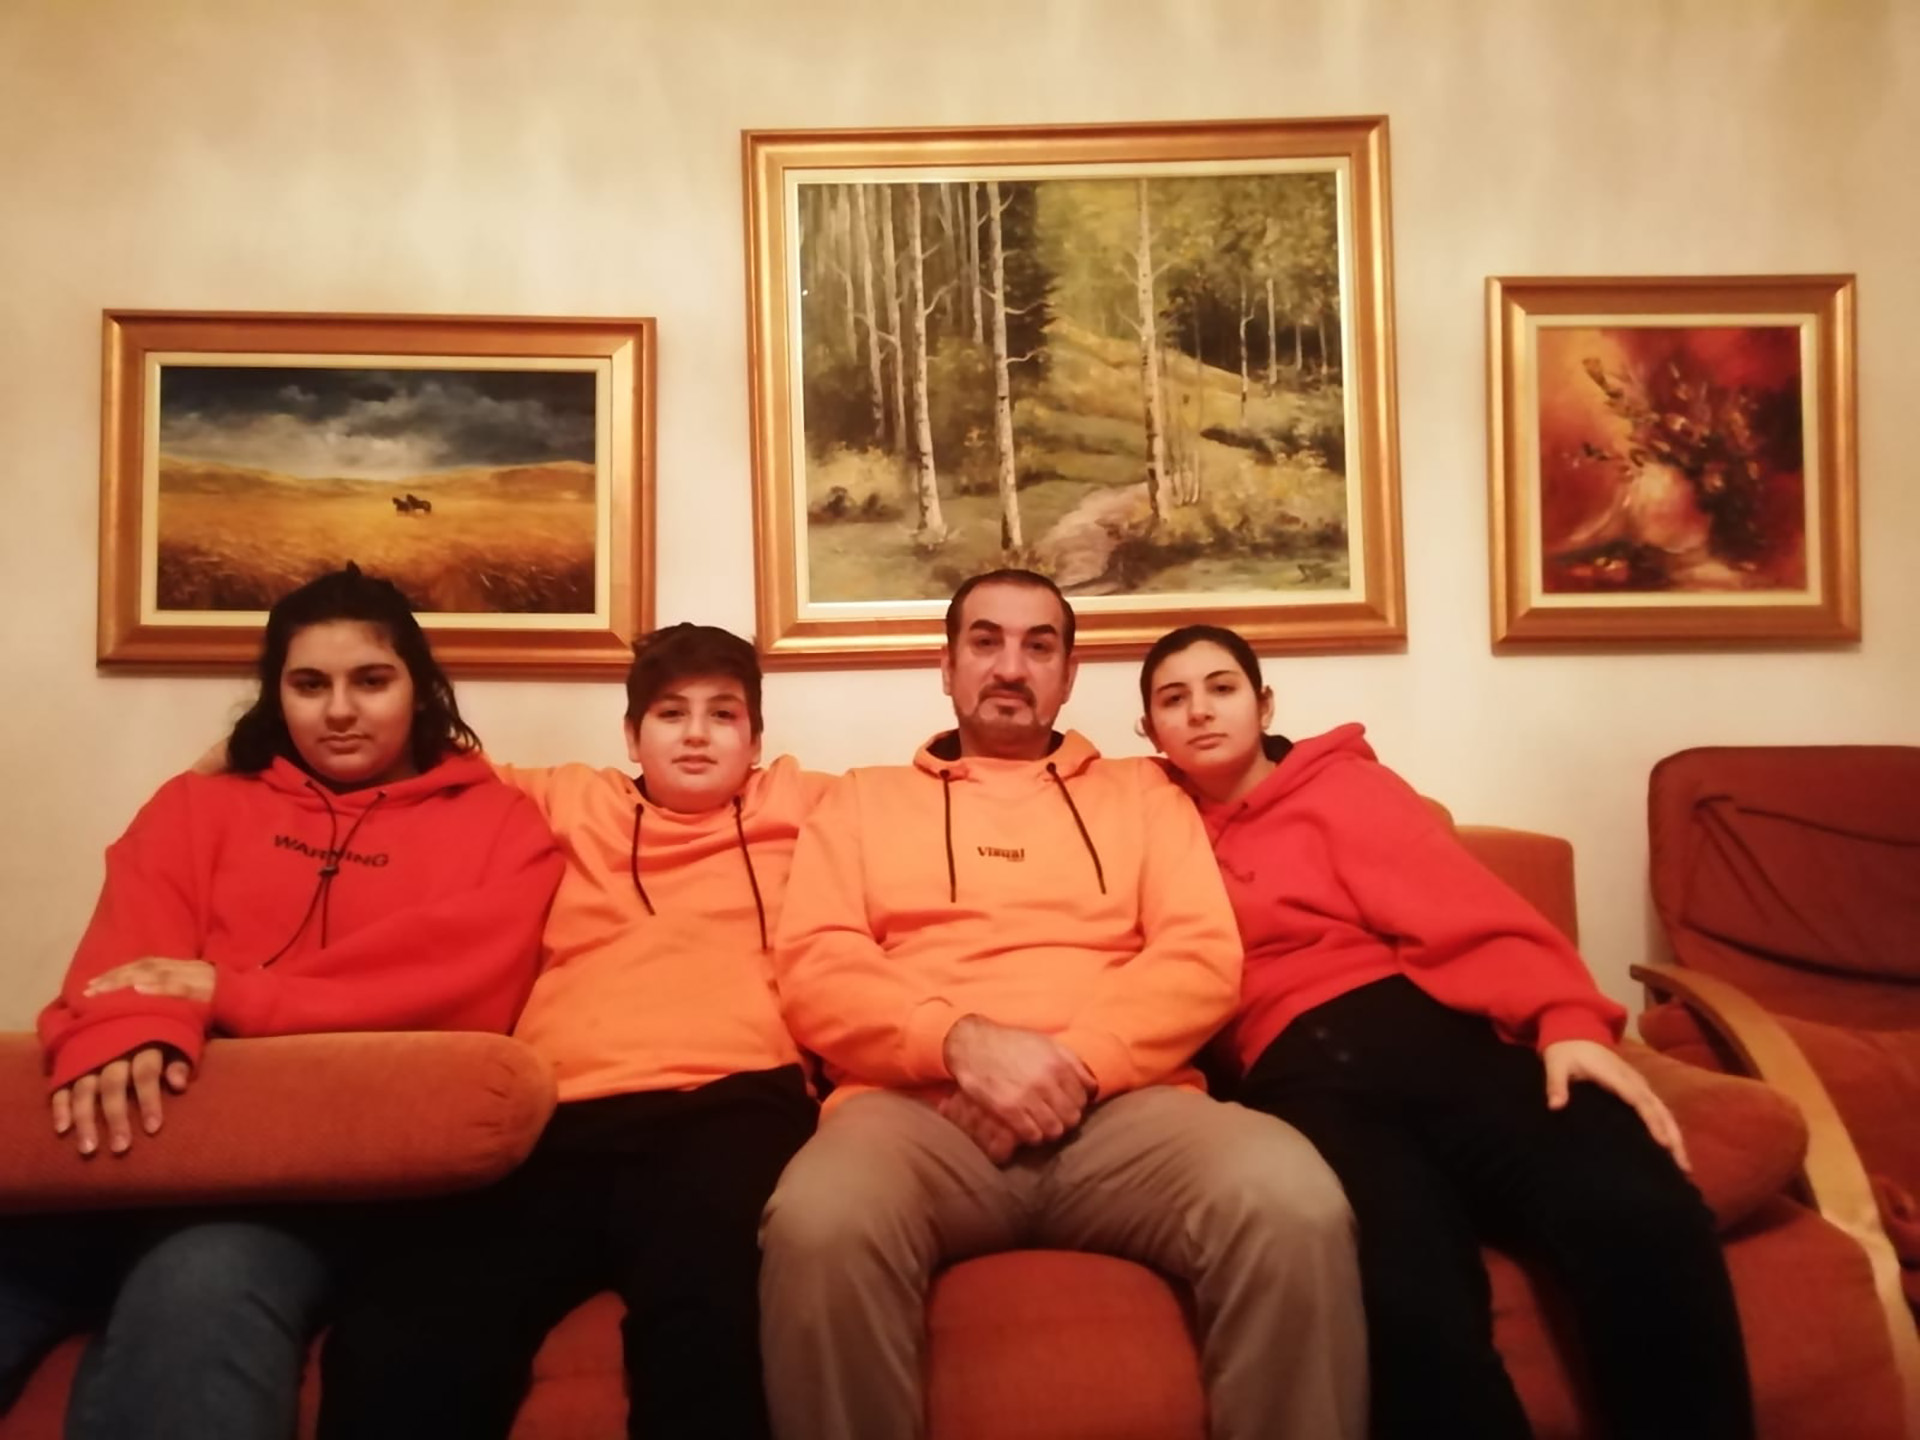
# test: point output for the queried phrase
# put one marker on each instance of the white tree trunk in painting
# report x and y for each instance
(875, 375)
(1012, 539)
(890, 272)
(1150, 359)
(933, 529)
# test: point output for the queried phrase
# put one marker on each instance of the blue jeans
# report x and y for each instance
(203, 1323)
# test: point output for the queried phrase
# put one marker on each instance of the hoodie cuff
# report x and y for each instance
(1106, 1055)
(242, 1000)
(1575, 1022)
(87, 1049)
(923, 1041)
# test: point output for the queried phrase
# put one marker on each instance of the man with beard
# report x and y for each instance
(1007, 954)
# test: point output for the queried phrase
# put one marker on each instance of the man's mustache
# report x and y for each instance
(1012, 692)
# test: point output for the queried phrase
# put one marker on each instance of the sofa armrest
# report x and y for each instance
(1747, 1141)
(299, 1118)
(1834, 1176)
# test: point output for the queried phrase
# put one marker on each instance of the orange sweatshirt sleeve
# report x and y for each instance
(463, 962)
(150, 905)
(842, 997)
(1150, 1016)
(1460, 931)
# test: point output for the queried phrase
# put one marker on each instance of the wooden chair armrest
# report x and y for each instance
(1836, 1180)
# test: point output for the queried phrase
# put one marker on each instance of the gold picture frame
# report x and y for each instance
(1672, 460)
(1154, 361)
(498, 469)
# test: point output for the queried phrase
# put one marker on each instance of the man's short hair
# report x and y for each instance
(664, 657)
(1032, 579)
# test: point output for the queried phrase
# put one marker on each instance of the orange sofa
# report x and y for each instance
(1029, 1345)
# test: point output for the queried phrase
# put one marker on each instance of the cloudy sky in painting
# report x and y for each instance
(374, 424)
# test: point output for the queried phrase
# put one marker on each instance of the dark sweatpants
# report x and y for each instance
(1441, 1135)
(655, 1196)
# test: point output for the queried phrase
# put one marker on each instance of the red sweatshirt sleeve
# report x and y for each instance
(463, 962)
(1461, 932)
(1150, 1016)
(150, 905)
(843, 999)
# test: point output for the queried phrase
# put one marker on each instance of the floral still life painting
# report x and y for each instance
(1683, 471)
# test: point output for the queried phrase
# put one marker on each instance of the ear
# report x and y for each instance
(1143, 727)
(946, 670)
(632, 727)
(753, 755)
(1266, 708)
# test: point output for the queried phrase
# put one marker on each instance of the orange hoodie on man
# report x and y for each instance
(1070, 895)
(655, 966)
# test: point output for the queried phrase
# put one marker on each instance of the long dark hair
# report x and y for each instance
(260, 736)
(1174, 641)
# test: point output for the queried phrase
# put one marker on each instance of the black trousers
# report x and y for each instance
(1441, 1135)
(655, 1196)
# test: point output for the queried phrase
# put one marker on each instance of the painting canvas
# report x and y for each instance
(1150, 362)
(498, 490)
(1673, 460)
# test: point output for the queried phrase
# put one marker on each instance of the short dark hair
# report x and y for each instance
(1174, 641)
(260, 735)
(1032, 579)
(684, 651)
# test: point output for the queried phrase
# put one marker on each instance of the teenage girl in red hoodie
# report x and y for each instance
(1444, 1048)
(357, 868)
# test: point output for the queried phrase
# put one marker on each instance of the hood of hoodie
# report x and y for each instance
(456, 772)
(1069, 754)
(1305, 762)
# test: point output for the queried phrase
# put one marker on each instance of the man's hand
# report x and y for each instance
(1602, 1065)
(178, 979)
(996, 1140)
(81, 1106)
(1030, 1083)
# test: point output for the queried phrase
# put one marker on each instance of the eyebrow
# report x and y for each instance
(729, 697)
(377, 666)
(991, 627)
(1181, 684)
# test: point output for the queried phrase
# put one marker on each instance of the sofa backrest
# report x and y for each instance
(1805, 857)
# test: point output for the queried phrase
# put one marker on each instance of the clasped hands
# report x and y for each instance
(1014, 1087)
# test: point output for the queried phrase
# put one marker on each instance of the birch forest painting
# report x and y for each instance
(1134, 385)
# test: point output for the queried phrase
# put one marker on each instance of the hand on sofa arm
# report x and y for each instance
(102, 1095)
(300, 1118)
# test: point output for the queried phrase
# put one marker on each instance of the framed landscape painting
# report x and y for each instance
(499, 471)
(1673, 460)
(1154, 362)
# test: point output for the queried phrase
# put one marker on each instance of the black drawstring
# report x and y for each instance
(633, 860)
(946, 805)
(329, 867)
(746, 854)
(740, 829)
(1099, 871)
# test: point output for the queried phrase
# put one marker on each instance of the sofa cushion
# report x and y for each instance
(1746, 1140)
(305, 1117)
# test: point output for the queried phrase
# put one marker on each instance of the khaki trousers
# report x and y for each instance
(1235, 1203)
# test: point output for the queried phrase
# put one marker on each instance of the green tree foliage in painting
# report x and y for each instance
(1131, 383)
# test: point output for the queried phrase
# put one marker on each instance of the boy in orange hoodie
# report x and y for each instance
(1007, 953)
(681, 1092)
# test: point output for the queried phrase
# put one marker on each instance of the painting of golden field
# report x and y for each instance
(516, 540)
(473, 491)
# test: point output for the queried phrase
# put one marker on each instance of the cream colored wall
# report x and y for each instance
(539, 156)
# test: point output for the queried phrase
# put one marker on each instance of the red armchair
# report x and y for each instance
(1787, 884)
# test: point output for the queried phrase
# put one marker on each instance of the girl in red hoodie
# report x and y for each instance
(358, 867)
(1444, 1048)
